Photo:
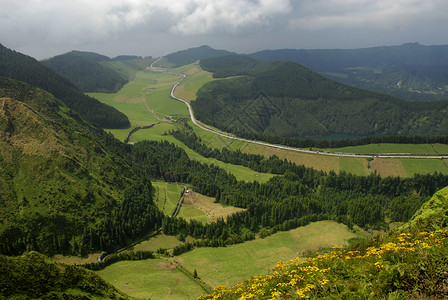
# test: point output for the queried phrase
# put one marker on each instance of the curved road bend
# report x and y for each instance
(227, 135)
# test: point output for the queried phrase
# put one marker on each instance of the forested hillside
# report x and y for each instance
(34, 276)
(85, 70)
(25, 68)
(287, 100)
(185, 57)
(410, 71)
(65, 186)
(92, 72)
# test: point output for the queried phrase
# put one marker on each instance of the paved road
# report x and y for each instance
(227, 135)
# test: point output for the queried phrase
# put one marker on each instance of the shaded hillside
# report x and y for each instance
(410, 71)
(34, 276)
(25, 68)
(284, 99)
(62, 188)
(185, 57)
(86, 71)
(92, 72)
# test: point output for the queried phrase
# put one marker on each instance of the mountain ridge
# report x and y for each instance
(410, 71)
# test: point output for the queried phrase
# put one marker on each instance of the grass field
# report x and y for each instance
(394, 148)
(153, 278)
(72, 260)
(210, 211)
(356, 166)
(416, 166)
(193, 82)
(167, 195)
(224, 266)
(158, 241)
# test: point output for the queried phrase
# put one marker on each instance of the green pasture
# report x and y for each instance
(357, 166)
(424, 166)
(227, 265)
(151, 279)
(235, 263)
(195, 79)
(189, 212)
(166, 195)
(424, 149)
(159, 241)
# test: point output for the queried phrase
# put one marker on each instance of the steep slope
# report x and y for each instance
(410, 71)
(188, 56)
(25, 68)
(61, 189)
(284, 99)
(34, 276)
(85, 70)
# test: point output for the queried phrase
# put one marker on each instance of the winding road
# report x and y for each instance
(229, 136)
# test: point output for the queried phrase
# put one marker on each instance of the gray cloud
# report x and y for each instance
(43, 28)
(382, 14)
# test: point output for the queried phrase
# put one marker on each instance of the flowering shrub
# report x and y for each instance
(404, 266)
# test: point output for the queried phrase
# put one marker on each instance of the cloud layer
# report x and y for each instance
(83, 23)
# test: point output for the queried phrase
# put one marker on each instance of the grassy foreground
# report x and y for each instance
(223, 266)
(410, 263)
(408, 266)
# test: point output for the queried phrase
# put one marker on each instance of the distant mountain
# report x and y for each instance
(64, 187)
(410, 71)
(284, 99)
(25, 68)
(92, 72)
(34, 276)
(191, 55)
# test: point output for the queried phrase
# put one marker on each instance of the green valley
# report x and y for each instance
(169, 209)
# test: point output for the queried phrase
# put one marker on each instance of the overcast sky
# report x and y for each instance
(44, 28)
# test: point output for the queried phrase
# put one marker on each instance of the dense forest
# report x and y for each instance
(92, 72)
(410, 71)
(284, 99)
(25, 68)
(86, 71)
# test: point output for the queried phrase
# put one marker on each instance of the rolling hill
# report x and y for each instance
(92, 72)
(85, 70)
(284, 99)
(25, 68)
(64, 185)
(410, 71)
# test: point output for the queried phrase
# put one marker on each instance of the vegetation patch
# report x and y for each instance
(408, 266)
